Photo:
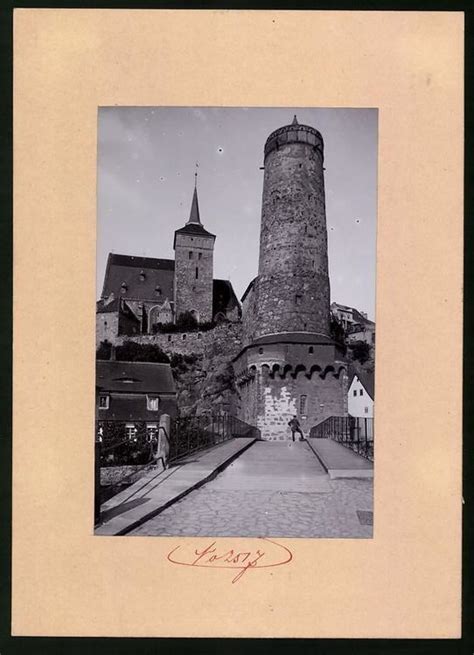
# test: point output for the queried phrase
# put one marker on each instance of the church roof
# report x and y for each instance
(141, 278)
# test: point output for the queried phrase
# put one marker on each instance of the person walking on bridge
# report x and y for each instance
(295, 427)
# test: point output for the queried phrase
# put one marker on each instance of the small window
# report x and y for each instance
(366, 410)
(169, 337)
(311, 350)
(355, 392)
(103, 402)
(361, 392)
(158, 291)
(298, 299)
(152, 403)
(303, 404)
(260, 351)
(197, 272)
(200, 255)
(184, 337)
(131, 431)
(190, 254)
(199, 335)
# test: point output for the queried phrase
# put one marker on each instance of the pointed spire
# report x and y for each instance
(194, 214)
(295, 121)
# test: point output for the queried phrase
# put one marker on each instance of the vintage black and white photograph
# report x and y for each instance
(235, 321)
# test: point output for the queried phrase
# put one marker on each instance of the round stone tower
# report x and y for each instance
(289, 365)
(292, 293)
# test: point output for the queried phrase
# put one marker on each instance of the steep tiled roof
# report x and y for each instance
(367, 379)
(223, 297)
(134, 377)
(111, 307)
(141, 276)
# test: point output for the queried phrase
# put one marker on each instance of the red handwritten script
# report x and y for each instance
(217, 556)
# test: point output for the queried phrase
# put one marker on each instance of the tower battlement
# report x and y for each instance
(294, 133)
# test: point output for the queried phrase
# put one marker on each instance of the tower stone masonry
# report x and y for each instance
(193, 278)
(289, 364)
(292, 289)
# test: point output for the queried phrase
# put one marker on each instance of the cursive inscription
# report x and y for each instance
(213, 555)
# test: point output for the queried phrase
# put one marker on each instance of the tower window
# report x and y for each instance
(200, 255)
(311, 350)
(190, 254)
(260, 351)
(298, 299)
(303, 404)
(197, 272)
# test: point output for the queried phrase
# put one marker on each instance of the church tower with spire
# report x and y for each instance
(193, 278)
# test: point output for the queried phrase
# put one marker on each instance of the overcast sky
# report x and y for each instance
(146, 164)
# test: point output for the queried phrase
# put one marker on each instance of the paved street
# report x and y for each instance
(274, 489)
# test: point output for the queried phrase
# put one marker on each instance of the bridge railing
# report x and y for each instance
(193, 433)
(131, 446)
(356, 433)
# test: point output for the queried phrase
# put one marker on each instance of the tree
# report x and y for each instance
(186, 321)
(104, 350)
(360, 351)
(338, 334)
(130, 351)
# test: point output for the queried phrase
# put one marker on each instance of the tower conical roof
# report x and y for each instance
(194, 213)
(194, 225)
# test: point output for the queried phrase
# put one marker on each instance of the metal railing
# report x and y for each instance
(133, 445)
(193, 433)
(126, 443)
(356, 433)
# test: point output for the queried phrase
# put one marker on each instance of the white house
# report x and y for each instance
(360, 397)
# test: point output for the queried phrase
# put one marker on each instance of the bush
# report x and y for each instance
(338, 334)
(140, 352)
(360, 351)
(186, 323)
(104, 350)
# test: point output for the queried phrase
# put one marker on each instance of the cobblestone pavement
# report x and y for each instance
(224, 508)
